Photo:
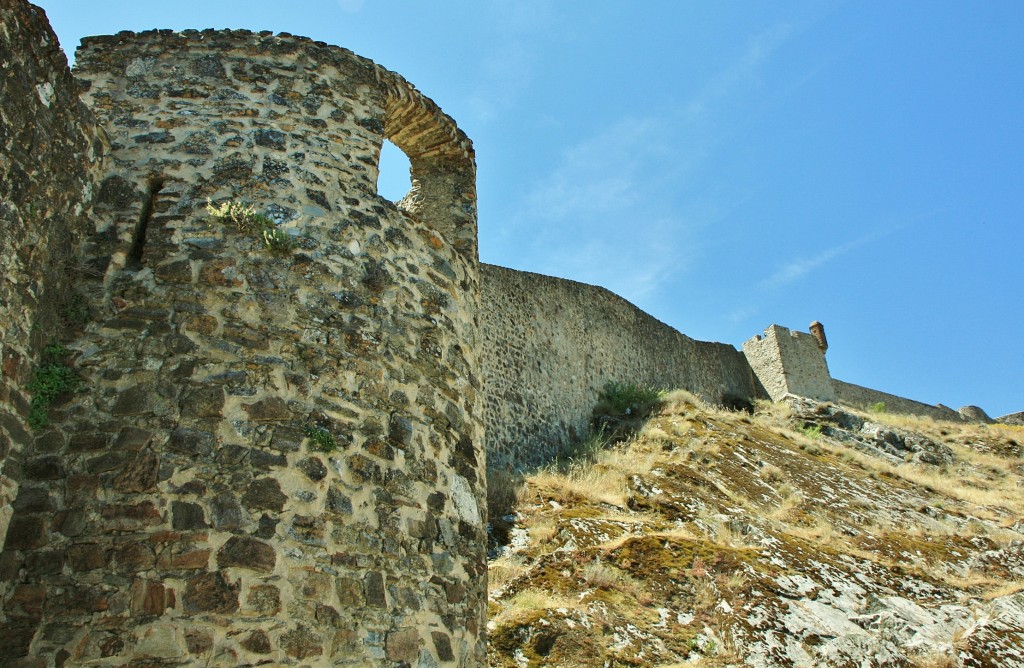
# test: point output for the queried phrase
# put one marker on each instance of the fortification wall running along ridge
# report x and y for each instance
(550, 345)
(275, 451)
(278, 456)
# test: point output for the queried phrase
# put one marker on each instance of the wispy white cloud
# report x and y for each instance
(351, 6)
(504, 74)
(608, 172)
(635, 271)
(796, 269)
(508, 69)
(615, 213)
(742, 72)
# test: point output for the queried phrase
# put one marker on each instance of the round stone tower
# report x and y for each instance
(278, 454)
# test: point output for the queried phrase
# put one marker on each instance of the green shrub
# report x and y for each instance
(581, 452)
(622, 408)
(52, 378)
(75, 311)
(812, 430)
(245, 219)
(278, 241)
(877, 408)
(626, 400)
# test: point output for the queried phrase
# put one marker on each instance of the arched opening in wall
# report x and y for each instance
(394, 178)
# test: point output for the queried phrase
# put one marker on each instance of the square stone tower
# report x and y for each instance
(789, 362)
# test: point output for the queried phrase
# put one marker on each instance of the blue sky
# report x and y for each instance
(726, 165)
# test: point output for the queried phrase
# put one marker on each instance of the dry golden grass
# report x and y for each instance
(530, 601)
(594, 483)
(652, 432)
(934, 660)
(821, 532)
(792, 500)
(829, 495)
(771, 473)
(959, 482)
(1005, 589)
(503, 570)
(543, 532)
(680, 401)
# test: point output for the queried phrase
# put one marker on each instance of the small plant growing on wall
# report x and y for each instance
(52, 378)
(320, 440)
(245, 219)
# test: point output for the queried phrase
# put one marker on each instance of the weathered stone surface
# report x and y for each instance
(212, 358)
(26, 532)
(150, 598)
(403, 645)
(338, 502)
(247, 553)
(264, 494)
(313, 467)
(269, 410)
(198, 641)
(226, 512)
(443, 645)
(137, 400)
(192, 442)
(206, 401)
(257, 642)
(187, 516)
(33, 500)
(373, 590)
(140, 474)
(210, 592)
(790, 363)
(543, 371)
(124, 517)
(301, 643)
(264, 599)
(43, 468)
(160, 641)
(86, 557)
(132, 438)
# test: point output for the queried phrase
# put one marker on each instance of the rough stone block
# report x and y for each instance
(248, 553)
(210, 592)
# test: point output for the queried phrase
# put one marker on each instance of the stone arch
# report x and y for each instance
(441, 157)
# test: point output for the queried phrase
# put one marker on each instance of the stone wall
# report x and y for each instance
(278, 458)
(277, 454)
(863, 398)
(789, 362)
(550, 345)
(50, 152)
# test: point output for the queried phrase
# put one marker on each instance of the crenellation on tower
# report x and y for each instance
(788, 362)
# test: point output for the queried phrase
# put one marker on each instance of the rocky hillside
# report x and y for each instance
(799, 535)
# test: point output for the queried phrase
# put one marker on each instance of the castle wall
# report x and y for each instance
(279, 454)
(789, 362)
(550, 345)
(863, 398)
(50, 151)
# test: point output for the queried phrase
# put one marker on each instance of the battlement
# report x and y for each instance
(790, 362)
